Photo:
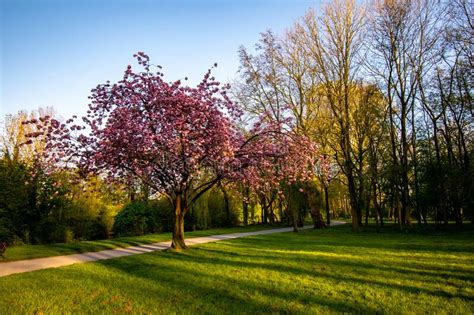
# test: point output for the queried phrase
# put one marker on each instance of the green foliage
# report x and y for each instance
(36, 207)
(199, 217)
(49, 230)
(301, 197)
(164, 213)
(215, 209)
(6, 230)
(445, 186)
(14, 200)
(96, 229)
(27, 196)
(139, 218)
(223, 208)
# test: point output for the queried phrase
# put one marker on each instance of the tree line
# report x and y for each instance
(385, 90)
(359, 110)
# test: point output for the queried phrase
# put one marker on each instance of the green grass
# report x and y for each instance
(37, 251)
(315, 271)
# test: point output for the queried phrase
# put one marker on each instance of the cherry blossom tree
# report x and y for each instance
(280, 156)
(179, 140)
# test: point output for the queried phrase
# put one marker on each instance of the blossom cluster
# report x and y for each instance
(175, 137)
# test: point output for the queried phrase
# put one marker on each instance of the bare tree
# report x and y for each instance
(333, 42)
(403, 41)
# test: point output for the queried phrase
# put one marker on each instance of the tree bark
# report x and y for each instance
(326, 199)
(245, 204)
(404, 213)
(294, 218)
(226, 204)
(415, 167)
(367, 208)
(355, 207)
(178, 242)
(264, 206)
(378, 210)
(317, 217)
(280, 210)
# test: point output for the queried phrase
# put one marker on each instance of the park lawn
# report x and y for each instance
(314, 271)
(37, 251)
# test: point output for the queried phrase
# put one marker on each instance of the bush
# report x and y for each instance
(164, 213)
(137, 218)
(6, 231)
(51, 231)
(96, 230)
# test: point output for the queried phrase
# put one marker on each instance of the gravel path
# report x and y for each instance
(21, 266)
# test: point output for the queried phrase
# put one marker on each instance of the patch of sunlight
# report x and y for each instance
(309, 253)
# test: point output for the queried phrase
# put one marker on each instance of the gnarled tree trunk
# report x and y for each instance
(178, 224)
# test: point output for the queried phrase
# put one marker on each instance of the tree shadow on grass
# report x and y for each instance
(308, 239)
(191, 282)
(155, 272)
(273, 263)
(58, 249)
(422, 258)
(188, 279)
(412, 269)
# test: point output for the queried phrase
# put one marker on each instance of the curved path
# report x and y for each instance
(21, 266)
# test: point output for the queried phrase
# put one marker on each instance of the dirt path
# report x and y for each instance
(60, 261)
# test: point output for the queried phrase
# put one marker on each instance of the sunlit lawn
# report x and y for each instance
(37, 251)
(333, 270)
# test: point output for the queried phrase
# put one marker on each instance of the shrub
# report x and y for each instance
(96, 230)
(164, 213)
(51, 231)
(137, 218)
(6, 231)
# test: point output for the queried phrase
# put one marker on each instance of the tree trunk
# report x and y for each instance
(404, 213)
(270, 213)
(317, 217)
(333, 207)
(178, 224)
(415, 167)
(146, 192)
(380, 203)
(326, 199)
(280, 210)
(245, 206)
(294, 219)
(355, 207)
(226, 205)
(353, 195)
(301, 218)
(367, 208)
(263, 204)
(399, 215)
(378, 211)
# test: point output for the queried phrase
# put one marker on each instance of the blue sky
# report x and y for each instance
(53, 52)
